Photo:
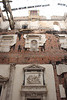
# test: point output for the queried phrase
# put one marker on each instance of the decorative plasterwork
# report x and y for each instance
(39, 89)
(34, 75)
(34, 67)
(33, 92)
(39, 38)
(6, 41)
(33, 83)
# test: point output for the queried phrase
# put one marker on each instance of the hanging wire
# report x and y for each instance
(20, 8)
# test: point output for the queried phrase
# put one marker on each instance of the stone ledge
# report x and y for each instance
(34, 89)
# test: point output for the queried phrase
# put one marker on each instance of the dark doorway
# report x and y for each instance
(34, 99)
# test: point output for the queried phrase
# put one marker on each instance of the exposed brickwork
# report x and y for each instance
(51, 53)
(61, 80)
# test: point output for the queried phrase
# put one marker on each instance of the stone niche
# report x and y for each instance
(6, 41)
(33, 41)
(33, 87)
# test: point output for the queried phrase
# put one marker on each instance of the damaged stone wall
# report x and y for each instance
(50, 51)
(63, 40)
(4, 25)
(37, 24)
(4, 77)
(40, 38)
(15, 54)
(19, 77)
(6, 41)
(62, 76)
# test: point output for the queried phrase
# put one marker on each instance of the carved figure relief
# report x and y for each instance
(33, 79)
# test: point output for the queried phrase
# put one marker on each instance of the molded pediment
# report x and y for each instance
(34, 67)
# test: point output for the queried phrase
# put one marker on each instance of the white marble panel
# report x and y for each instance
(6, 41)
(63, 40)
(33, 78)
(61, 68)
(40, 38)
(62, 91)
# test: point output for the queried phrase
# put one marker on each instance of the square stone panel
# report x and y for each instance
(33, 78)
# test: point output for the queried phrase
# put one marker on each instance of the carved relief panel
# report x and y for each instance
(34, 75)
(34, 78)
(34, 86)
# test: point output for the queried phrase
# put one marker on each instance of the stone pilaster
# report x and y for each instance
(10, 83)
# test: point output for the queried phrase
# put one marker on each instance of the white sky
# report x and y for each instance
(48, 11)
